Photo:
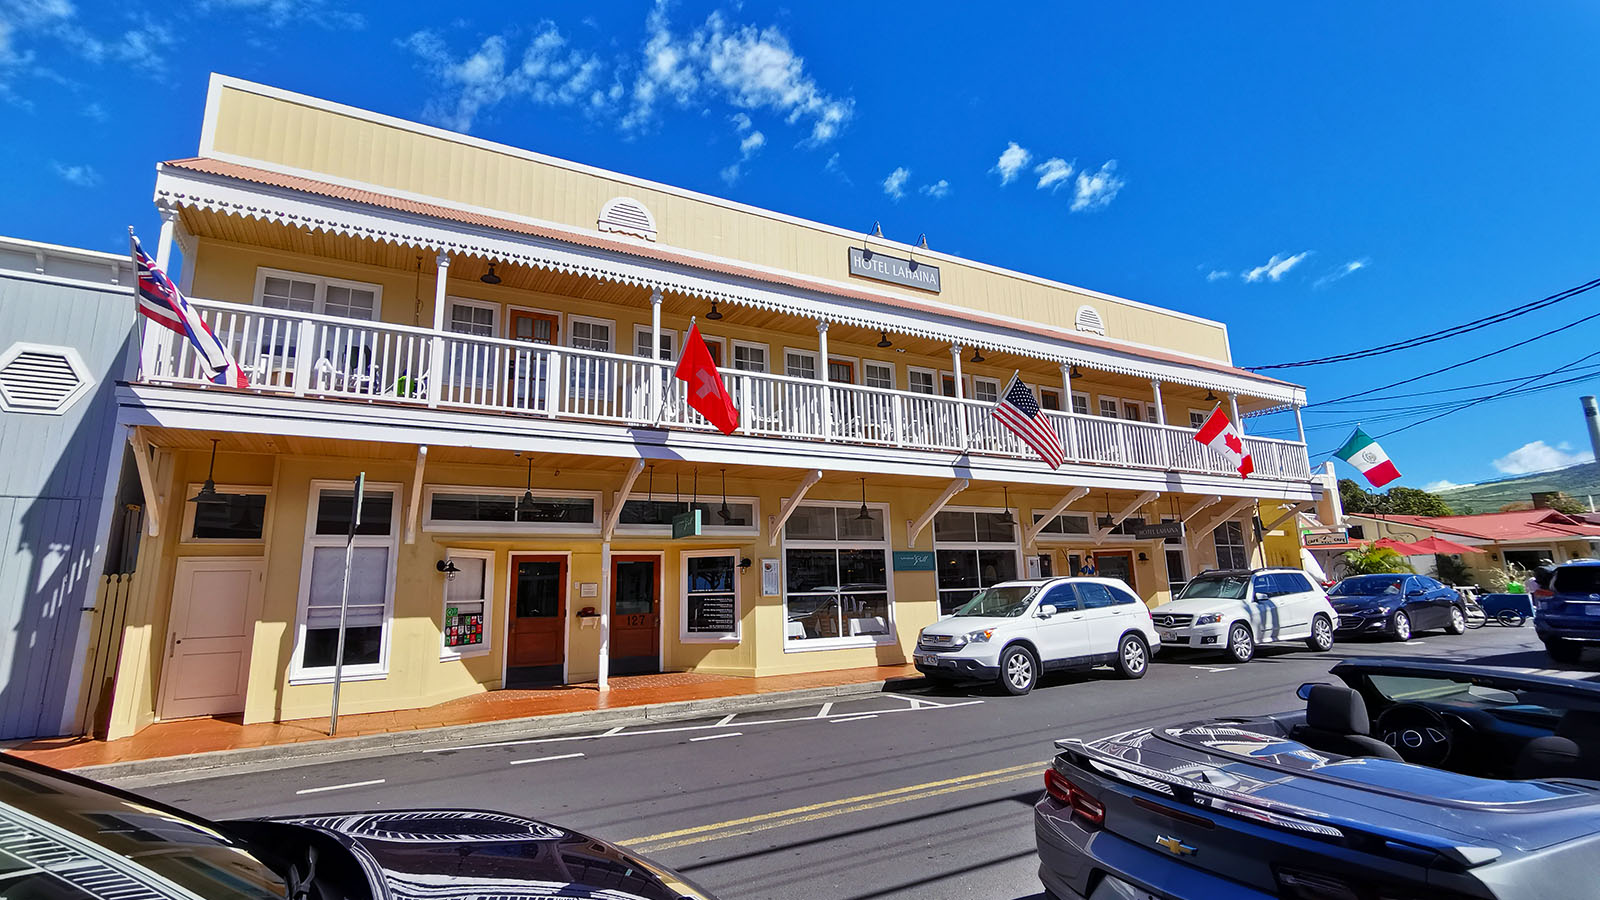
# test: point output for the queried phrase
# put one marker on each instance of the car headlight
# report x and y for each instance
(1382, 610)
(1208, 619)
(981, 636)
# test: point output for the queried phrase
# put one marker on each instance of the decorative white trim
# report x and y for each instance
(1088, 319)
(73, 361)
(730, 637)
(186, 536)
(625, 215)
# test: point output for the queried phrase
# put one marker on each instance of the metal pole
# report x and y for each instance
(344, 599)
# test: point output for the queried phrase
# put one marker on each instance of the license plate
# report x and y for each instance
(925, 660)
(1168, 637)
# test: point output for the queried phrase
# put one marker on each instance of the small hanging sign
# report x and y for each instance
(686, 524)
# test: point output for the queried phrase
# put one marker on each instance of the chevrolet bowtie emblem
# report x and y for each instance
(1174, 846)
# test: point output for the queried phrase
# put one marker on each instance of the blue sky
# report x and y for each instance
(1322, 177)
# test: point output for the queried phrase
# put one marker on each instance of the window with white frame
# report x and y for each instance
(1066, 525)
(1232, 553)
(710, 584)
(836, 588)
(299, 292)
(1049, 399)
(919, 381)
(985, 390)
(800, 364)
(237, 515)
(1108, 408)
(652, 515)
(1080, 404)
(974, 548)
(749, 357)
(592, 334)
(467, 592)
(877, 374)
(489, 509)
(371, 594)
(474, 317)
(641, 343)
(1197, 417)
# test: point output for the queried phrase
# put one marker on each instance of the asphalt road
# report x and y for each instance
(926, 793)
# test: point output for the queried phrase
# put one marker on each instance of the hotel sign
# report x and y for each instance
(894, 270)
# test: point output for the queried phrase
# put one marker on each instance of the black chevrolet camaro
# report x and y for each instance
(67, 838)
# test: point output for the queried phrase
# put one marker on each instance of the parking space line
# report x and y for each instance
(823, 712)
(519, 762)
(856, 718)
(727, 718)
(340, 787)
(712, 737)
(1214, 668)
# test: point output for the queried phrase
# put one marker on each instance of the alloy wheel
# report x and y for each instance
(1322, 634)
(1241, 644)
(1019, 670)
(1133, 657)
(1458, 621)
(1402, 626)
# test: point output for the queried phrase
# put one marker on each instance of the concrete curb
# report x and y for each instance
(167, 770)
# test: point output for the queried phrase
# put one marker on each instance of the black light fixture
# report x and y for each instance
(1143, 557)
(922, 241)
(1076, 373)
(448, 567)
(208, 496)
(745, 563)
(725, 512)
(883, 339)
(1005, 517)
(865, 515)
(1210, 397)
(977, 355)
(525, 505)
(715, 314)
(489, 277)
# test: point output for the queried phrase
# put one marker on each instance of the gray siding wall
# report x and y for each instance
(53, 480)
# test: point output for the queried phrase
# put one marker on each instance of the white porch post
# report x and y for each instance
(822, 373)
(1071, 412)
(150, 345)
(1299, 423)
(1161, 419)
(436, 356)
(604, 661)
(1233, 404)
(1161, 410)
(169, 221)
(961, 411)
(656, 378)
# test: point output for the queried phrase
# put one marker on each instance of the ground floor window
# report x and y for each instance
(372, 564)
(497, 510)
(1177, 571)
(974, 549)
(734, 515)
(710, 596)
(836, 576)
(466, 603)
(1231, 550)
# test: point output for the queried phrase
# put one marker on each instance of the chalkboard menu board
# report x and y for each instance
(711, 608)
(712, 614)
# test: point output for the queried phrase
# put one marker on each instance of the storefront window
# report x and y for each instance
(974, 549)
(1065, 524)
(741, 513)
(371, 582)
(836, 577)
(710, 595)
(505, 509)
(238, 515)
(466, 603)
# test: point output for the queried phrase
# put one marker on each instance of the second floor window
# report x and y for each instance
(1080, 404)
(588, 334)
(1108, 408)
(749, 357)
(298, 292)
(877, 375)
(800, 365)
(920, 381)
(985, 390)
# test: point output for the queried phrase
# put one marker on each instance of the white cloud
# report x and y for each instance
(549, 73)
(1217, 274)
(278, 13)
(1097, 190)
(748, 147)
(1443, 484)
(1053, 173)
(938, 190)
(754, 141)
(77, 176)
(1011, 161)
(1275, 268)
(1540, 457)
(96, 112)
(1349, 268)
(26, 25)
(741, 122)
(895, 184)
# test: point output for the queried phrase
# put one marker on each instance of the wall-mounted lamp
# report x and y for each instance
(877, 229)
(448, 567)
(1076, 373)
(1143, 557)
(745, 563)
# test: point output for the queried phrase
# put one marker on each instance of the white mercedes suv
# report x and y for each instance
(1015, 631)
(1235, 610)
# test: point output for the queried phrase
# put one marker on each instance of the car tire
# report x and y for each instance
(1458, 620)
(1400, 626)
(1241, 643)
(1133, 657)
(1019, 671)
(1563, 651)
(1321, 639)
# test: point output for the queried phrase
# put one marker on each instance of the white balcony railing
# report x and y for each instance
(308, 355)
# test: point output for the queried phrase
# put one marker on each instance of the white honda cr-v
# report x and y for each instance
(1015, 631)
(1235, 610)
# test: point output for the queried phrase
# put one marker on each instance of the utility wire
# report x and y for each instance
(1449, 390)
(1442, 334)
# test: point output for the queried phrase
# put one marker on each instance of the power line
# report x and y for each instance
(1460, 387)
(1442, 334)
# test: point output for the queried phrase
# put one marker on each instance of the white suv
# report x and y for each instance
(1234, 610)
(1012, 632)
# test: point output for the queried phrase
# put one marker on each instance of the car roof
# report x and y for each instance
(1579, 562)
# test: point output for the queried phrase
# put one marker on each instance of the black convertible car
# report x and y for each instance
(67, 838)
(1410, 779)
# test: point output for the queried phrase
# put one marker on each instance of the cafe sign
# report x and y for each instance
(894, 270)
(1325, 537)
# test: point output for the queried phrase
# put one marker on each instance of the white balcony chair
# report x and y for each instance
(331, 378)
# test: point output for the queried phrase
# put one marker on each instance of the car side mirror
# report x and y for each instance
(1415, 593)
(1304, 692)
(1046, 611)
(1264, 595)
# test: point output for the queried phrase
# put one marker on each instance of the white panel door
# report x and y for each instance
(215, 603)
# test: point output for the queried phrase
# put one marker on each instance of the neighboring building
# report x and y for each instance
(1523, 538)
(487, 333)
(66, 338)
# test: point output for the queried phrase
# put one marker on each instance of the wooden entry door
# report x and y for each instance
(215, 603)
(529, 386)
(1115, 564)
(535, 327)
(536, 650)
(635, 614)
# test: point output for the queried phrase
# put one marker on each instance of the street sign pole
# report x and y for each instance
(344, 598)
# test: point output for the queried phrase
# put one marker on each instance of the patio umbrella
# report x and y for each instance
(1440, 545)
(1401, 547)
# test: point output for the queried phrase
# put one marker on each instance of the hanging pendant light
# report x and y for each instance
(865, 515)
(1005, 517)
(1076, 373)
(977, 355)
(1210, 397)
(208, 496)
(715, 314)
(525, 505)
(489, 277)
(883, 340)
(725, 512)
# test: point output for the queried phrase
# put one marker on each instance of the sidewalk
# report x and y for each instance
(572, 706)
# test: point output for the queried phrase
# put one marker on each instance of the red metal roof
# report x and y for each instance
(1519, 525)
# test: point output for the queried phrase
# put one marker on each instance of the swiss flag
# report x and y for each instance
(707, 394)
(1219, 434)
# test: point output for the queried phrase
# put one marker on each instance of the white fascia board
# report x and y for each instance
(292, 208)
(222, 410)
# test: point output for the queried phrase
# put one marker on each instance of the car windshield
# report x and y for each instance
(1422, 687)
(65, 825)
(1577, 580)
(1004, 600)
(1366, 586)
(1225, 587)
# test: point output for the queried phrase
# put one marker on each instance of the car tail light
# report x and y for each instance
(1082, 803)
(1297, 884)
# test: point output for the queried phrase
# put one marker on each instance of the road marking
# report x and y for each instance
(919, 703)
(727, 718)
(854, 719)
(812, 812)
(712, 737)
(1214, 668)
(518, 762)
(823, 712)
(340, 787)
(612, 731)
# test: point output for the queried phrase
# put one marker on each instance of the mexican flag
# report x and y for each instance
(1364, 453)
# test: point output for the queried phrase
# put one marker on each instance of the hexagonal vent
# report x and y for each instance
(625, 215)
(41, 379)
(1089, 320)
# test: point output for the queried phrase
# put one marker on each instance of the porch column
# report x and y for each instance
(1233, 404)
(1299, 423)
(822, 373)
(656, 376)
(436, 351)
(169, 221)
(151, 343)
(1066, 385)
(604, 661)
(1071, 412)
(1161, 411)
(961, 411)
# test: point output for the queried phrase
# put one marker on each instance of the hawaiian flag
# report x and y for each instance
(1220, 435)
(1018, 411)
(161, 301)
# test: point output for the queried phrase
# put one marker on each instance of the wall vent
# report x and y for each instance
(41, 379)
(625, 215)
(1089, 320)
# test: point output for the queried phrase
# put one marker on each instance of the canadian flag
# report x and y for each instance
(1219, 434)
(707, 394)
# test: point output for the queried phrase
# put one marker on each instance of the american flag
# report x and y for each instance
(1018, 411)
(161, 301)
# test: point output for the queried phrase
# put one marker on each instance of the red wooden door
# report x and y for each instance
(538, 614)
(635, 614)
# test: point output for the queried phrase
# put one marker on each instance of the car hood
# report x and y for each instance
(964, 625)
(446, 854)
(1199, 606)
(1255, 759)
(1354, 603)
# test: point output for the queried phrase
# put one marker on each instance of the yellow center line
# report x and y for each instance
(814, 811)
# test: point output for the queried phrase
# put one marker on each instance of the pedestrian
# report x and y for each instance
(1088, 566)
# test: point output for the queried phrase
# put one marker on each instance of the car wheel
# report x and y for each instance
(1321, 639)
(1458, 621)
(1133, 657)
(1019, 672)
(1400, 626)
(1241, 645)
(1563, 651)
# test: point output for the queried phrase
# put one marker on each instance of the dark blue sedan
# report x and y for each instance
(1398, 605)
(1567, 615)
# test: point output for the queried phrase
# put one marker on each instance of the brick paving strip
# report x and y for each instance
(188, 749)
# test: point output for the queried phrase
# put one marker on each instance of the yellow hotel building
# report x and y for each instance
(488, 334)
